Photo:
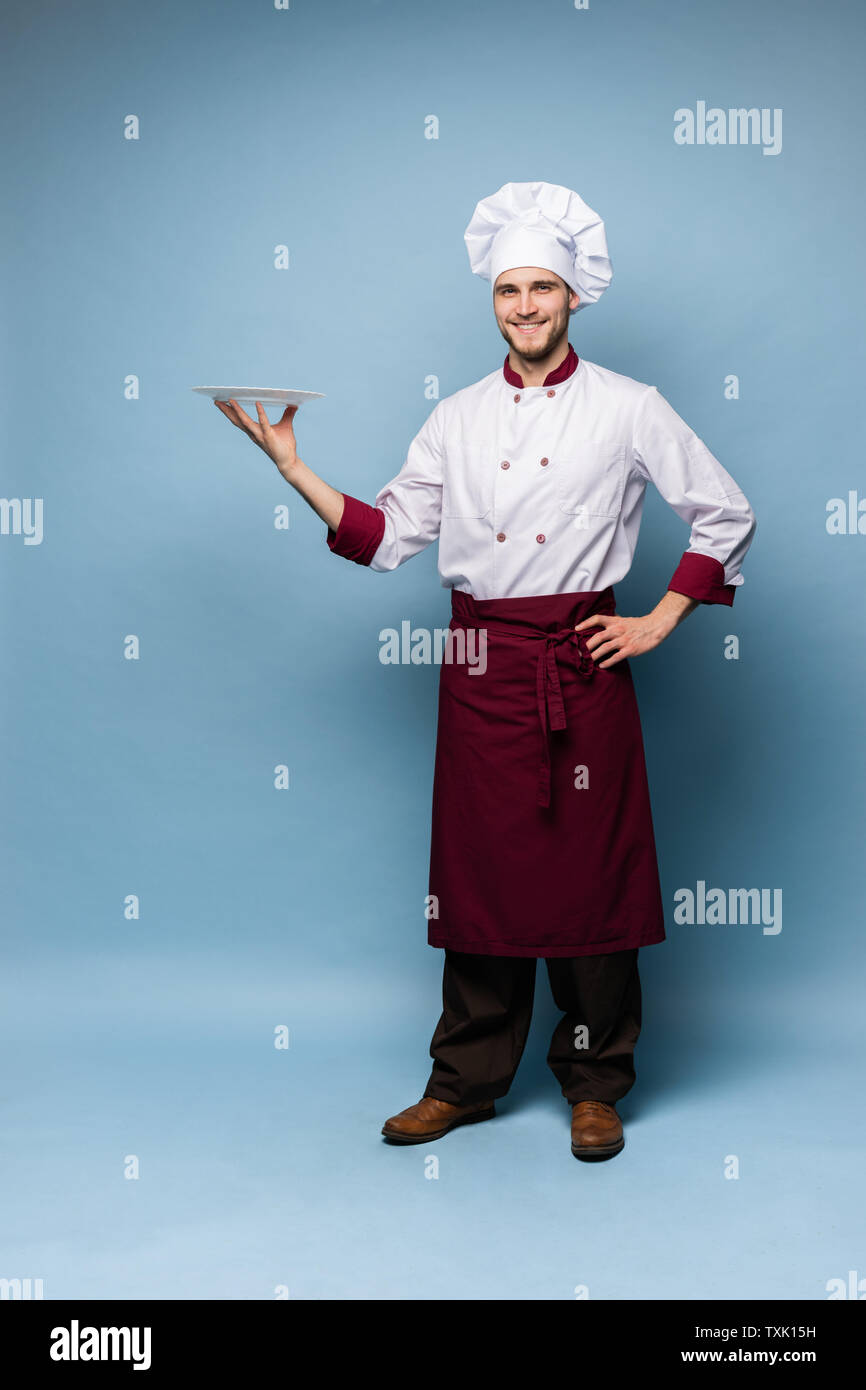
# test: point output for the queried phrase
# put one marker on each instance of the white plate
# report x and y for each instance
(268, 395)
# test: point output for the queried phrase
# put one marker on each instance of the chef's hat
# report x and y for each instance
(540, 224)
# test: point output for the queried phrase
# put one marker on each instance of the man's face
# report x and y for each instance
(531, 307)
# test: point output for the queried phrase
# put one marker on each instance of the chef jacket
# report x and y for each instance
(539, 490)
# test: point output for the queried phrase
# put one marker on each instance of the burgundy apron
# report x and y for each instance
(542, 839)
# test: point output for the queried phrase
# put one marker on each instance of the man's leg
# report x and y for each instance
(591, 1051)
(477, 1045)
(480, 1037)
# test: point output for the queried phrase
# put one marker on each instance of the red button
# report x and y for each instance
(501, 536)
(517, 398)
(539, 539)
(545, 462)
(505, 464)
(551, 393)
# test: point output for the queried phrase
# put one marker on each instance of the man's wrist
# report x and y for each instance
(661, 624)
(670, 611)
(291, 470)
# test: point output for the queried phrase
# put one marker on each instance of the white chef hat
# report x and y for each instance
(540, 224)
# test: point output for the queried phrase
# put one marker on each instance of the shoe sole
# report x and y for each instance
(590, 1152)
(394, 1138)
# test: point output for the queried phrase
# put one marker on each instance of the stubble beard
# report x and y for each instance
(530, 349)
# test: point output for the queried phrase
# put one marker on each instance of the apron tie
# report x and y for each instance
(551, 706)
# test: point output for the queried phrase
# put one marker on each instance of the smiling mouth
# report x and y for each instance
(528, 327)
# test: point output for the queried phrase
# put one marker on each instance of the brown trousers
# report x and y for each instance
(487, 1008)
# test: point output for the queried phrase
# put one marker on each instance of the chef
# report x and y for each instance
(533, 481)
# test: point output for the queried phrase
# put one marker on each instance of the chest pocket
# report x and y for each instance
(589, 478)
(467, 485)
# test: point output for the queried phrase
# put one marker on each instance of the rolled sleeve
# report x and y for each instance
(702, 578)
(359, 532)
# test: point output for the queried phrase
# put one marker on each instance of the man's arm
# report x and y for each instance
(407, 513)
(279, 443)
(670, 611)
(667, 452)
(326, 501)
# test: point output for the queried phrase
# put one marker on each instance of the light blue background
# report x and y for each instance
(258, 647)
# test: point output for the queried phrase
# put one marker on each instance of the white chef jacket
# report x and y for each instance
(539, 490)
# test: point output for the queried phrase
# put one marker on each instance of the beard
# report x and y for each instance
(540, 344)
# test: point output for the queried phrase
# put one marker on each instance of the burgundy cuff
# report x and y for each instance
(359, 533)
(703, 578)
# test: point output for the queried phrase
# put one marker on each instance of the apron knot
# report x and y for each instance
(551, 706)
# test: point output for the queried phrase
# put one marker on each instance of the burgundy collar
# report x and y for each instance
(560, 373)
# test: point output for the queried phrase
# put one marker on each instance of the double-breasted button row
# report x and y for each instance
(506, 464)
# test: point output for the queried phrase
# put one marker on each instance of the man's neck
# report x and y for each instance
(564, 369)
(535, 370)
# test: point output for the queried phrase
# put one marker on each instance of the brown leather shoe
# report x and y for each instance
(431, 1118)
(596, 1130)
